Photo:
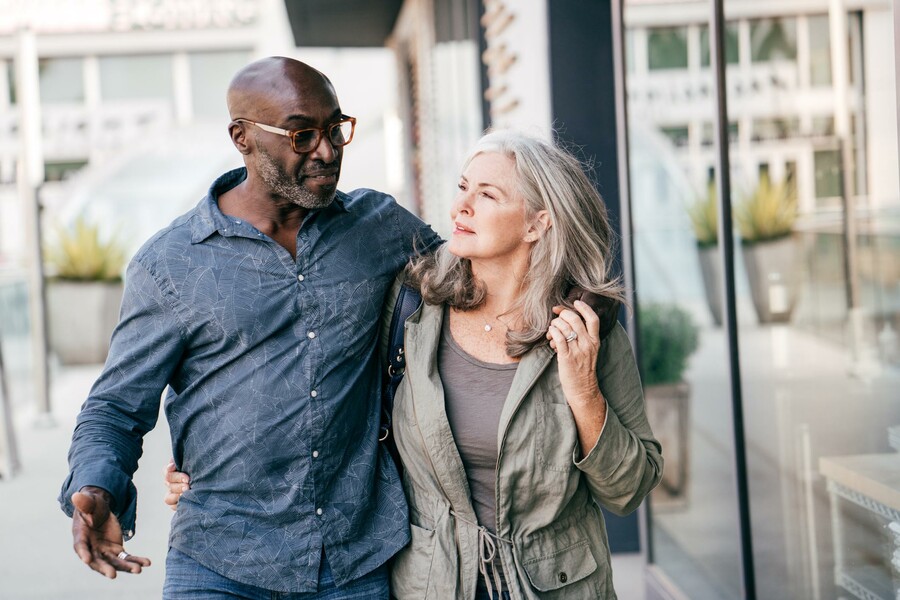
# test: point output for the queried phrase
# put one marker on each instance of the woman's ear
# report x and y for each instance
(538, 226)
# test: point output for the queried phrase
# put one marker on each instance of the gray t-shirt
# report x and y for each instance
(474, 393)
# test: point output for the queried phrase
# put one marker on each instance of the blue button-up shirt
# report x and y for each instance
(274, 389)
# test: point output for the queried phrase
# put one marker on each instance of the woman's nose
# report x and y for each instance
(461, 204)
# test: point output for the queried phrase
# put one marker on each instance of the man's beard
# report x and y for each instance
(282, 184)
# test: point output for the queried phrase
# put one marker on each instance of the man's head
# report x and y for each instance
(286, 94)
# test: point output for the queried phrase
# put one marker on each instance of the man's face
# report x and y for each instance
(307, 179)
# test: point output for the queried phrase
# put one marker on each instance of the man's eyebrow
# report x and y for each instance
(308, 119)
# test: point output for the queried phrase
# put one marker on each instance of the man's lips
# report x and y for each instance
(321, 176)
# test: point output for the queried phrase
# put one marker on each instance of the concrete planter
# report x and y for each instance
(774, 274)
(668, 410)
(711, 269)
(81, 317)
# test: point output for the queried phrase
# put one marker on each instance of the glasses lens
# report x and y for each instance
(304, 141)
(341, 133)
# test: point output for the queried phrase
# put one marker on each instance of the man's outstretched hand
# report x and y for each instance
(98, 536)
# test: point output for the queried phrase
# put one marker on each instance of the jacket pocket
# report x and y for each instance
(561, 569)
(411, 570)
(557, 436)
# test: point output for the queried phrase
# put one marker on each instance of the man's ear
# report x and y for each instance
(238, 134)
(539, 225)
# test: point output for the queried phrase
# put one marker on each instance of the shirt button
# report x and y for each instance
(319, 511)
(314, 393)
(300, 277)
(315, 454)
(311, 335)
(563, 577)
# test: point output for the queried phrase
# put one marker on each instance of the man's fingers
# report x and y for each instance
(103, 567)
(85, 504)
(129, 564)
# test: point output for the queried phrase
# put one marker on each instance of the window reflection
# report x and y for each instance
(818, 308)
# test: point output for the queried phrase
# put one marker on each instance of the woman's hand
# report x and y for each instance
(576, 338)
(177, 483)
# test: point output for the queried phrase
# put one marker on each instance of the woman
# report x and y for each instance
(513, 419)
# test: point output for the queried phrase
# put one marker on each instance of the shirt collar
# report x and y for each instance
(210, 219)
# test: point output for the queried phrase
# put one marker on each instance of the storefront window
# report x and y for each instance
(732, 44)
(61, 80)
(773, 39)
(817, 311)
(667, 48)
(694, 528)
(136, 77)
(819, 50)
(210, 74)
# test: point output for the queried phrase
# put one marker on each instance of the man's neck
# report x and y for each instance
(277, 218)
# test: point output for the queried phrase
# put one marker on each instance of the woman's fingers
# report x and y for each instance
(558, 340)
(591, 319)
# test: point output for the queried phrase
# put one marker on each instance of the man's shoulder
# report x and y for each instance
(175, 238)
(366, 199)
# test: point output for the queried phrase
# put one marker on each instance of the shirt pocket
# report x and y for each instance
(563, 572)
(557, 436)
(411, 570)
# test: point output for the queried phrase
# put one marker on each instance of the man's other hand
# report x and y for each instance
(98, 536)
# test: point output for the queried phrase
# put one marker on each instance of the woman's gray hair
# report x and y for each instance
(577, 249)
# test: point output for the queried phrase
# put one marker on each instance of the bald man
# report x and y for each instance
(258, 309)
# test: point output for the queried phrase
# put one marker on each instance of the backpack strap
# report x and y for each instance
(408, 302)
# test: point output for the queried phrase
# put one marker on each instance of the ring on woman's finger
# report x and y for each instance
(123, 555)
(572, 337)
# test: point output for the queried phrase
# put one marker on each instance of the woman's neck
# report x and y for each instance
(503, 285)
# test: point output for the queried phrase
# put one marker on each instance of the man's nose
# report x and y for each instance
(325, 150)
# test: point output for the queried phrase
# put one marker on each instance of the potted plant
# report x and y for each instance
(765, 221)
(84, 292)
(668, 336)
(704, 216)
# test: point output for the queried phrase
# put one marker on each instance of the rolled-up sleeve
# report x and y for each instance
(123, 404)
(626, 462)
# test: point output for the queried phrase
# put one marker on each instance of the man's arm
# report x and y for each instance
(122, 407)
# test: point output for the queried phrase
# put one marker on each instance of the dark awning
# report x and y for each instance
(342, 23)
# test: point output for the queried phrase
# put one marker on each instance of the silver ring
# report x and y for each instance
(123, 555)
(572, 337)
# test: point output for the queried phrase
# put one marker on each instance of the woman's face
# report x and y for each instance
(489, 220)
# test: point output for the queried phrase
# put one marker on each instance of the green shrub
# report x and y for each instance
(668, 337)
(81, 254)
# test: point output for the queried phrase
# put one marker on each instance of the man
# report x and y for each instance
(259, 310)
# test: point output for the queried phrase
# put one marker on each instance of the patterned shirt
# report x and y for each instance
(274, 382)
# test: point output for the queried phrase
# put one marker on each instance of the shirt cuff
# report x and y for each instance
(119, 486)
(605, 456)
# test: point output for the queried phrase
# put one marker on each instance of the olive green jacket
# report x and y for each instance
(553, 536)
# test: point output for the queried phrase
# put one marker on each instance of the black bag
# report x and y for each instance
(408, 302)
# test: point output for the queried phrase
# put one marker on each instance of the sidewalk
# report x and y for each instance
(36, 556)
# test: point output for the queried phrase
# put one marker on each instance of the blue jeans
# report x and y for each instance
(186, 578)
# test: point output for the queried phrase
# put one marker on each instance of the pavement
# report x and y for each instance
(36, 556)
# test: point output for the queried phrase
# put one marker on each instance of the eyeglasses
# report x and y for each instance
(307, 140)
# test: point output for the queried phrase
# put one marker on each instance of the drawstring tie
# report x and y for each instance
(487, 550)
